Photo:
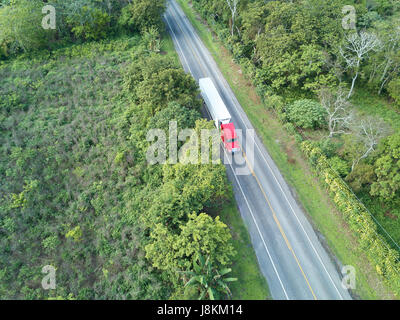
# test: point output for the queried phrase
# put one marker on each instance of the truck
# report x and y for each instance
(220, 114)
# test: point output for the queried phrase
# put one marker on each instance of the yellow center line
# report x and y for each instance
(278, 223)
(252, 171)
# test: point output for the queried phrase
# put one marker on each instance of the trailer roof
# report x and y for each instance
(208, 88)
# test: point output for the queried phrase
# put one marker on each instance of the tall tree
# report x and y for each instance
(355, 50)
(368, 133)
(233, 6)
(387, 169)
(338, 112)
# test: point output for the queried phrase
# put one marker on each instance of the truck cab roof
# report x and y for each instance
(229, 131)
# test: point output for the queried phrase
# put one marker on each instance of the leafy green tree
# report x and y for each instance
(384, 64)
(361, 177)
(394, 90)
(21, 27)
(88, 23)
(339, 165)
(156, 81)
(151, 39)
(142, 14)
(387, 170)
(210, 283)
(185, 117)
(306, 114)
(200, 235)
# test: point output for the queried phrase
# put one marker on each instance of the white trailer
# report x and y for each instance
(215, 105)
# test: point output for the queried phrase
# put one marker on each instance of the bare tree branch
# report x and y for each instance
(355, 49)
(369, 132)
(233, 7)
(338, 108)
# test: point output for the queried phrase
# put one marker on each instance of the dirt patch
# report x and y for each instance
(390, 215)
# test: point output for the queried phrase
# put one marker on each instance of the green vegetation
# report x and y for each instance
(208, 281)
(251, 284)
(306, 114)
(279, 89)
(76, 190)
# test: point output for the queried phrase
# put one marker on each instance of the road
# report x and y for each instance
(292, 259)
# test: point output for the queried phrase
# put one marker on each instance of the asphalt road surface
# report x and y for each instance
(289, 253)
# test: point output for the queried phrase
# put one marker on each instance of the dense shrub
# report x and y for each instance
(387, 170)
(21, 27)
(156, 81)
(361, 177)
(339, 165)
(328, 147)
(306, 114)
(394, 90)
(89, 23)
(142, 14)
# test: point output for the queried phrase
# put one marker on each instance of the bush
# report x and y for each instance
(275, 102)
(328, 147)
(361, 177)
(142, 14)
(306, 114)
(89, 23)
(290, 128)
(21, 27)
(156, 81)
(339, 165)
(394, 90)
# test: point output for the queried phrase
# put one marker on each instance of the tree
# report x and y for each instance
(337, 107)
(306, 114)
(361, 177)
(368, 133)
(155, 81)
(232, 4)
(21, 27)
(88, 23)
(151, 39)
(201, 235)
(354, 51)
(142, 14)
(208, 280)
(394, 90)
(387, 170)
(385, 64)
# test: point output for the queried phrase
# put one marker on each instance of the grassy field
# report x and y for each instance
(295, 169)
(251, 284)
(373, 104)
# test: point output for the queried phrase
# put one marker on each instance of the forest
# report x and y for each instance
(76, 191)
(330, 73)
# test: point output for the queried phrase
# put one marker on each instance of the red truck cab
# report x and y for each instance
(229, 137)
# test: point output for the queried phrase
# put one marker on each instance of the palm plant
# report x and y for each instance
(209, 281)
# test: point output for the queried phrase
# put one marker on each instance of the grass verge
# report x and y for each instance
(251, 284)
(283, 149)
